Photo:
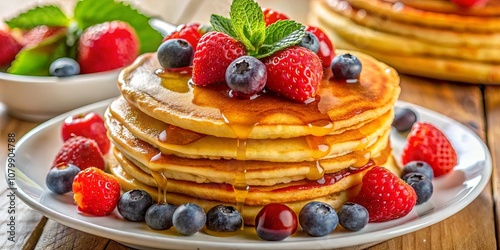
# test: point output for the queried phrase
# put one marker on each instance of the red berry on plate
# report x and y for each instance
(95, 192)
(88, 125)
(80, 151)
(271, 16)
(214, 53)
(107, 46)
(385, 195)
(9, 47)
(294, 72)
(275, 222)
(470, 3)
(427, 143)
(326, 49)
(190, 32)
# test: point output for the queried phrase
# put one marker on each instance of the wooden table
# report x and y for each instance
(474, 227)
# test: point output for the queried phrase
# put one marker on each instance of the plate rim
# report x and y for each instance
(132, 238)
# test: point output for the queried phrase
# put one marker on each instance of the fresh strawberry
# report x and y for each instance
(190, 32)
(214, 53)
(80, 151)
(294, 72)
(95, 192)
(385, 195)
(470, 3)
(326, 49)
(36, 35)
(427, 143)
(107, 46)
(9, 47)
(271, 16)
(88, 125)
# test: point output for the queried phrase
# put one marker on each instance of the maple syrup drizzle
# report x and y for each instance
(161, 180)
(319, 149)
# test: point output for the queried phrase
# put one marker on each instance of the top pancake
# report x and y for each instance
(209, 110)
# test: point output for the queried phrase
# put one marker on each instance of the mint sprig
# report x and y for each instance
(36, 60)
(246, 24)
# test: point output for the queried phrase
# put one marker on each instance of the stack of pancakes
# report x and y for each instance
(430, 38)
(185, 143)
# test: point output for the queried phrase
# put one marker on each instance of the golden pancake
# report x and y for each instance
(210, 111)
(225, 171)
(438, 68)
(127, 182)
(294, 149)
(393, 44)
(407, 14)
(492, 7)
(257, 195)
(427, 34)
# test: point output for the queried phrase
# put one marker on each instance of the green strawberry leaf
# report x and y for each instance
(91, 12)
(49, 15)
(248, 23)
(223, 24)
(280, 35)
(35, 61)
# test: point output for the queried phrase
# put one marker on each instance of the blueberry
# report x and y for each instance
(404, 119)
(60, 178)
(421, 184)
(310, 41)
(346, 67)
(318, 219)
(159, 216)
(133, 204)
(224, 219)
(246, 76)
(64, 66)
(189, 218)
(175, 53)
(418, 167)
(352, 216)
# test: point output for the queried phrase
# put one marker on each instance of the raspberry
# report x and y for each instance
(96, 192)
(385, 195)
(80, 151)
(107, 46)
(427, 143)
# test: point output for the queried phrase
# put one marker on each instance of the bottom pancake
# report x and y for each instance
(180, 192)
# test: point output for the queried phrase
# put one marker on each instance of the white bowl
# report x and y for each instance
(38, 98)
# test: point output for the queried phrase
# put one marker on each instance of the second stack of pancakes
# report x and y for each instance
(184, 143)
(430, 38)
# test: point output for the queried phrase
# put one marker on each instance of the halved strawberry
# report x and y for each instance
(214, 53)
(427, 143)
(9, 47)
(294, 72)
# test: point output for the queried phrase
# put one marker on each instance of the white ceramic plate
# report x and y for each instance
(452, 192)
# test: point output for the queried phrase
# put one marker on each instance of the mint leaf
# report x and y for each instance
(91, 12)
(248, 23)
(49, 15)
(223, 24)
(280, 35)
(35, 61)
